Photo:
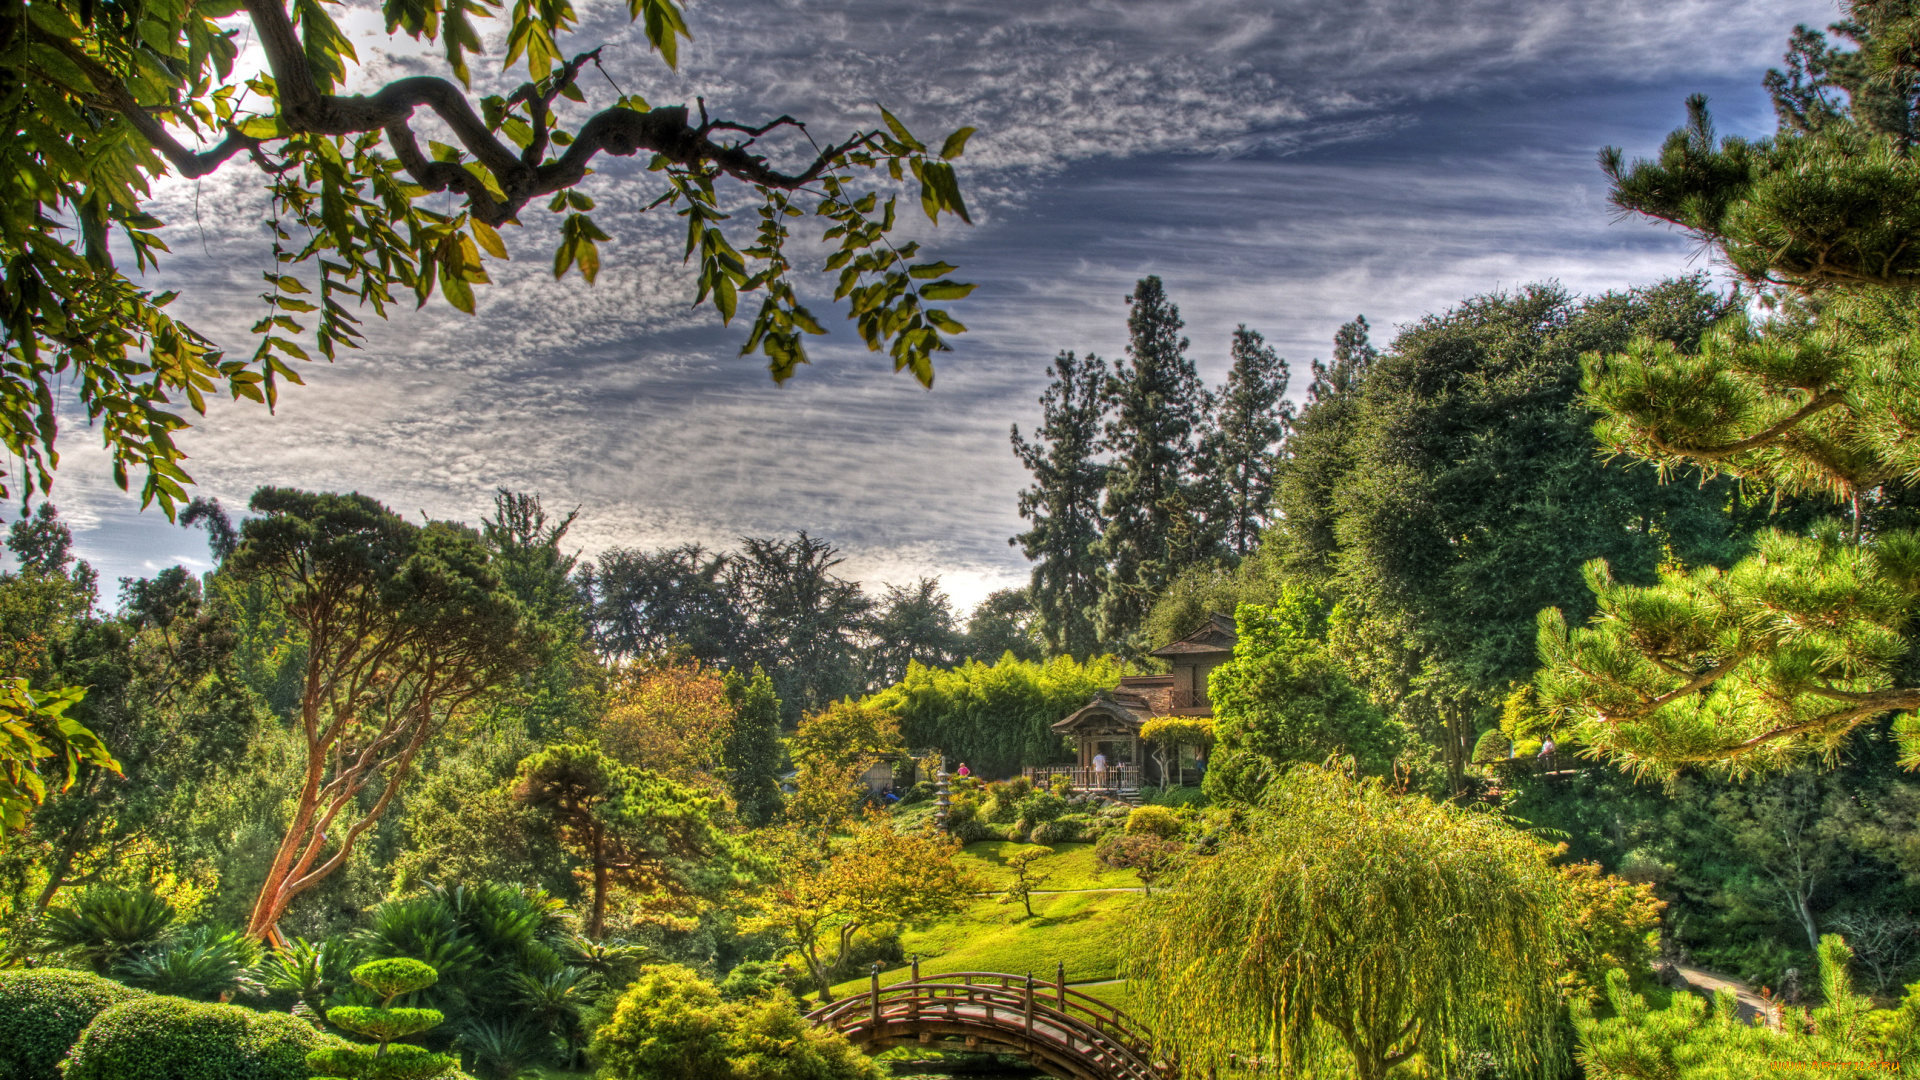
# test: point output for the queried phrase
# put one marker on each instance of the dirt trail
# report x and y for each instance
(1751, 1004)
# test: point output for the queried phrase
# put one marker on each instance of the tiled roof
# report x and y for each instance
(1214, 636)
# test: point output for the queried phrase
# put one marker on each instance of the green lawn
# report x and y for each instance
(1085, 931)
(1114, 994)
(1071, 866)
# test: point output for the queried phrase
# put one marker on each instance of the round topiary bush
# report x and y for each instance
(42, 1012)
(1153, 821)
(1492, 746)
(166, 1038)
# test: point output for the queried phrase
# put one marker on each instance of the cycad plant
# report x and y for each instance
(103, 927)
(387, 1058)
(312, 970)
(204, 964)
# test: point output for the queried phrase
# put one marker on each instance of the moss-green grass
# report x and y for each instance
(1085, 931)
(1114, 994)
(1071, 866)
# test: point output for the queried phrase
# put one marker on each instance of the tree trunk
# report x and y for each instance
(597, 924)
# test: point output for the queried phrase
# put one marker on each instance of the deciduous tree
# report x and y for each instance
(111, 98)
(1385, 925)
(874, 879)
(405, 629)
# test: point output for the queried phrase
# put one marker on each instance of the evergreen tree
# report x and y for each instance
(915, 623)
(752, 751)
(1317, 452)
(803, 623)
(1064, 505)
(1002, 624)
(1240, 450)
(1159, 408)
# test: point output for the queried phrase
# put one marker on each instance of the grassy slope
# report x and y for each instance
(1071, 866)
(1082, 930)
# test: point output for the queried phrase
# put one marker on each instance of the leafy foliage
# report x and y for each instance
(1025, 877)
(34, 729)
(163, 1038)
(997, 717)
(1688, 1040)
(752, 753)
(673, 1025)
(109, 100)
(631, 829)
(874, 879)
(1389, 925)
(670, 718)
(387, 1059)
(104, 926)
(1615, 926)
(1282, 699)
(1159, 410)
(203, 964)
(42, 1013)
(405, 629)
(1241, 448)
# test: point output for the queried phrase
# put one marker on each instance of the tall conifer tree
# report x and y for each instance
(1159, 409)
(1241, 449)
(1317, 455)
(1064, 504)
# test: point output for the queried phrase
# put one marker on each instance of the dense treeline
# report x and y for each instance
(1429, 499)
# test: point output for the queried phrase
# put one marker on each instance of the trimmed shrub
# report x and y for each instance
(42, 1012)
(166, 1038)
(1041, 806)
(1492, 746)
(1153, 821)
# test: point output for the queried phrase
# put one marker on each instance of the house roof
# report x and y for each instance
(1214, 637)
(1136, 700)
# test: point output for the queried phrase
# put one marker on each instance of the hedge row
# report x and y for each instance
(118, 1033)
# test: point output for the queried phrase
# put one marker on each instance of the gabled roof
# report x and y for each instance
(1215, 636)
(1136, 700)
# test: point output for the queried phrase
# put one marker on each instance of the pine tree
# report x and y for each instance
(1317, 454)
(1159, 407)
(1241, 449)
(1064, 505)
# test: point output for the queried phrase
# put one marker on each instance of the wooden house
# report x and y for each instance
(1110, 724)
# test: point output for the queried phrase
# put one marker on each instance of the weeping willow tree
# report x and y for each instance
(1350, 918)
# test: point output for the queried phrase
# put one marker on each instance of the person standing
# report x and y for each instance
(1100, 770)
(962, 770)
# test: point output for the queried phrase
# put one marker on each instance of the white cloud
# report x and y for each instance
(1283, 164)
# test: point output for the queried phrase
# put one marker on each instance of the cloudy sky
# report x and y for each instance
(1282, 163)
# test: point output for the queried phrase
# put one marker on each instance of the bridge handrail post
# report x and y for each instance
(1029, 1002)
(873, 997)
(1060, 983)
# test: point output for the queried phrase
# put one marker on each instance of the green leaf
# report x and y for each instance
(956, 144)
(924, 271)
(900, 131)
(945, 290)
(489, 239)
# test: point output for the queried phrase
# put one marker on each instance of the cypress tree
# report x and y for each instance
(1064, 505)
(1240, 450)
(1159, 408)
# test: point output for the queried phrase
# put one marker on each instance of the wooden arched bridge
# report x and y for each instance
(1060, 1031)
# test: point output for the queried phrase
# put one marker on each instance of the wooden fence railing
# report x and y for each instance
(1060, 1030)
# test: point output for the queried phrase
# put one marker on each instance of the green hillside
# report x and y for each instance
(1085, 930)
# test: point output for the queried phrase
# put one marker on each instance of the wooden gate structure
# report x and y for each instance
(1061, 1032)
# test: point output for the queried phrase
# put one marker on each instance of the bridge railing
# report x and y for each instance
(1051, 1013)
